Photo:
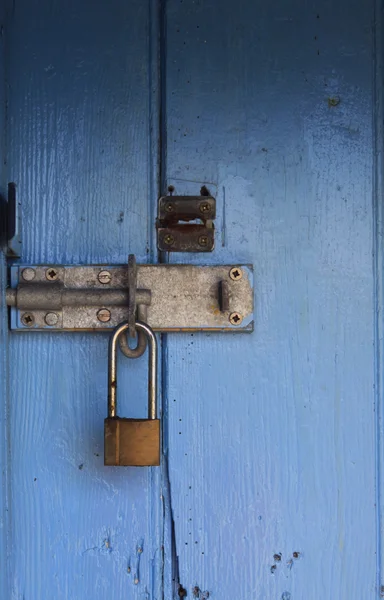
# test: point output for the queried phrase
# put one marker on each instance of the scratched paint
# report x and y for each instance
(271, 444)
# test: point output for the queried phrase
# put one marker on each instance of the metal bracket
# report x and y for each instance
(175, 231)
(11, 223)
(96, 297)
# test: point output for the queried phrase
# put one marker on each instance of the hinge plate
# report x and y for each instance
(183, 297)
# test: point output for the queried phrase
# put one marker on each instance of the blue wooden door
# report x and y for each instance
(271, 480)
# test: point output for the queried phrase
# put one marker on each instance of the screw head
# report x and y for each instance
(169, 207)
(203, 240)
(104, 277)
(28, 274)
(205, 207)
(235, 318)
(236, 273)
(28, 319)
(169, 239)
(51, 274)
(104, 315)
(51, 318)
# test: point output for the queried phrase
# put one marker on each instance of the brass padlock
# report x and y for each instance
(132, 442)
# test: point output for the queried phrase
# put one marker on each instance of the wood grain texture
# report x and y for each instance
(79, 103)
(5, 523)
(271, 436)
(378, 264)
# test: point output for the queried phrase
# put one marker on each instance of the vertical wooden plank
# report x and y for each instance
(378, 263)
(78, 127)
(271, 436)
(4, 489)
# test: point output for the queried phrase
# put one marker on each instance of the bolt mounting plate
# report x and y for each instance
(183, 297)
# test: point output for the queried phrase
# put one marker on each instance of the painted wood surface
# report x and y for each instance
(271, 484)
(4, 496)
(78, 145)
(271, 437)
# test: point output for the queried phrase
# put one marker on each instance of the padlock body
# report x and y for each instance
(131, 442)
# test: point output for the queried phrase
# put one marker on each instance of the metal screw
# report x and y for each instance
(203, 240)
(169, 239)
(235, 318)
(51, 274)
(236, 273)
(51, 318)
(170, 207)
(104, 277)
(205, 207)
(29, 274)
(104, 315)
(28, 319)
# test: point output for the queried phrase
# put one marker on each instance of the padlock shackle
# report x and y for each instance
(152, 368)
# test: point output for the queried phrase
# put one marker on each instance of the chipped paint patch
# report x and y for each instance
(333, 101)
